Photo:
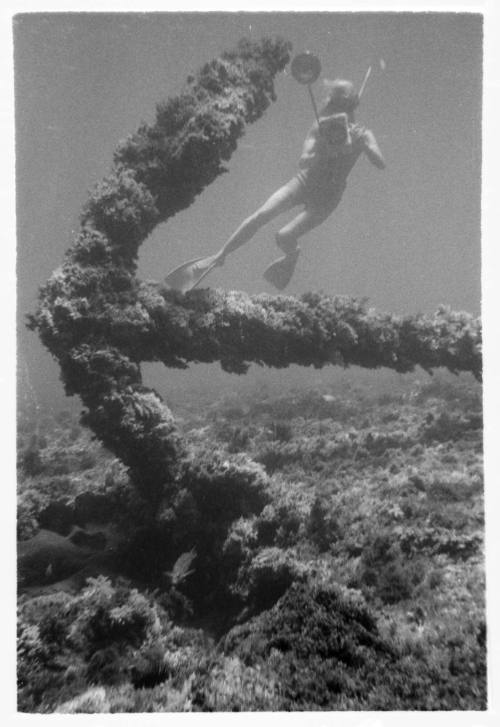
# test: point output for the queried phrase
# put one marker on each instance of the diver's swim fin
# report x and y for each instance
(280, 272)
(188, 275)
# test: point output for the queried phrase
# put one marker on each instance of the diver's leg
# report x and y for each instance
(190, 274)
(280, 272)
(284, 199)
(304, 222)
(320, 203)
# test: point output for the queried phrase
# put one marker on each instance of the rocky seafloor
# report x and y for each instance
(323, 550)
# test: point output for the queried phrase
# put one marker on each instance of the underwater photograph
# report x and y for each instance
(249, 362)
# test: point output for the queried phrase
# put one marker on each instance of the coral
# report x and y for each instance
(213, 495)
(79, 484)
(90, 312)
(383, 568)
(318, 646)
(109, 636)
(92, 701)
(313, 330)
(100, 322)
(97, 633)
(231, 686)
(266, 578)
(325, 651)
(370, 504)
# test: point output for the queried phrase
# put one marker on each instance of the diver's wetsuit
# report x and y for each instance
(324, 167)
(330, 151)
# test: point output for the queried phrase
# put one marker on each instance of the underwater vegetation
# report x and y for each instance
(344, 573)
(271, 562)
(101, 322)
(90, 305)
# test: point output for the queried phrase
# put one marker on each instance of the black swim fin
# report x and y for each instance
(188, 275)
(280, 272)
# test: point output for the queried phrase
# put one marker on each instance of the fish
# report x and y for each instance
(181, 568)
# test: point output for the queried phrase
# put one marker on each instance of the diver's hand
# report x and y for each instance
(357, 132)
(372, 149)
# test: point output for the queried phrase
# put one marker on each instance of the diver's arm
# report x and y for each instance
(311, 148)
(372, 149)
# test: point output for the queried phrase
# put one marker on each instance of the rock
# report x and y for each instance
(83, 539)
(58, 516)
(92, 507)
(324, 645)
(47, 558)
(270, 573)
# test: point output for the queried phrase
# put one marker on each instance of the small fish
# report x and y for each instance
(181, 568)
(49, 570)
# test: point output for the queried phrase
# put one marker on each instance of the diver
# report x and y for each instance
(330, 150)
